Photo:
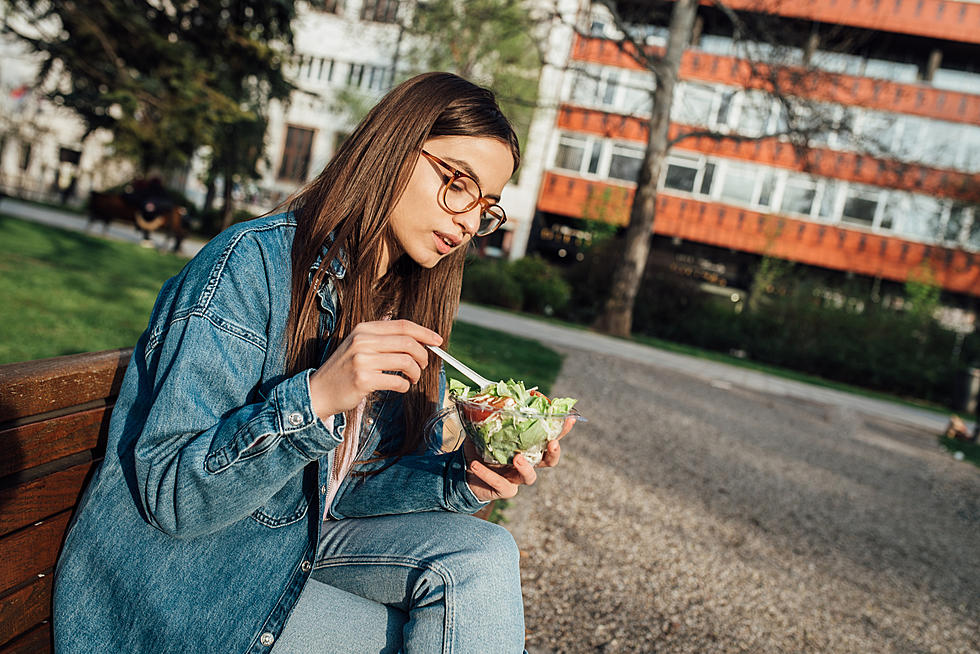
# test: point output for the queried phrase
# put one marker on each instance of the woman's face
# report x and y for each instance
(424, 229)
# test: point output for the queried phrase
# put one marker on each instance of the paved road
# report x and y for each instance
(79, 223)
(717, 373)
(694, 517)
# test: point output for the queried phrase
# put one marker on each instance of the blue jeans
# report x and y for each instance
(417, 582)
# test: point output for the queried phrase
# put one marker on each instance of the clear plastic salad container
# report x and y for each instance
(505, 418)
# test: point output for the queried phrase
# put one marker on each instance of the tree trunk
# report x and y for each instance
(228, 204)
(209, 196)
(617, 315)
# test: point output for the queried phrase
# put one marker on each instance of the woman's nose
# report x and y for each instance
(469, 220)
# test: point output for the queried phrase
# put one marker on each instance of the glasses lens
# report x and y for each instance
(491, 218)
(462, 194)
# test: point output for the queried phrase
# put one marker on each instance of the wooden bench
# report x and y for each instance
(54, 418)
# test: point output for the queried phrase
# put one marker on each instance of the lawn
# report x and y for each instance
(63, 292)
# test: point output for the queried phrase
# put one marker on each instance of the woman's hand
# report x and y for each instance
(357, 367)
(500, 482)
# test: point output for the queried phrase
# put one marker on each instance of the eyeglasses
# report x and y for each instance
(460, 193)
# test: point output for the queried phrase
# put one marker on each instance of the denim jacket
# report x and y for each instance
(198, 530)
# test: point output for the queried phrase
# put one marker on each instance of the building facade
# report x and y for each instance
(894, 197)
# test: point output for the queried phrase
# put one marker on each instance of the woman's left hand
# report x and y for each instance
(500, 482)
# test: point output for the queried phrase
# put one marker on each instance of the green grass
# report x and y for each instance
(497, 355)
(971, 451)
(65, 292)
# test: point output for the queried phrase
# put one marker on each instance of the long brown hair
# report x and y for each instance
(352, 199)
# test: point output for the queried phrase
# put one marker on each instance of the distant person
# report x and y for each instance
(268, 484)
(68, 192)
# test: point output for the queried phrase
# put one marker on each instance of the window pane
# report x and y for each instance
(738, 184)
(296, 154)
(798, 195)
(828, 201)
(754, 118)
(767, 186)
(695, 105)
(925, 215)
(707, 178)
(625, 163)
(612, 84)
(585, 89)
(680, 177)
(570, 154)
(973, 235)
(594, 159)
(859, 211)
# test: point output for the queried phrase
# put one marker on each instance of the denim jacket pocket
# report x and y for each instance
(287, 506)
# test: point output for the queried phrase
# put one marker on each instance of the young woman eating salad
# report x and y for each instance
(267, 484)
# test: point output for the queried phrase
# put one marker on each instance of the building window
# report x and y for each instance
(296, 154)
(956, 223)
(329, 6)
(799, 192)
(625, 162)
(738, 184)
(380, 11)
(973, 230)
(571, 152)
(682, 173)
(860, 206)
(25, 156)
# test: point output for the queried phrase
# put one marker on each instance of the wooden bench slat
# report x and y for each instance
(26, 446)
(34, 387)
(35, 641)
(31, 551)
(25, 608)
(27, 503)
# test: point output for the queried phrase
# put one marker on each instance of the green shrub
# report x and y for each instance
(486, 281)
(530, 284)
(545, 291)
(877, 348)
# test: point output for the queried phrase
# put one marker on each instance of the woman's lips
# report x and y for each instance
(444, 242)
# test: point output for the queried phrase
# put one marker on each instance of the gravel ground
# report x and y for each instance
(690, 516)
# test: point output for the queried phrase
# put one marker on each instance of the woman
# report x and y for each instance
(267, 483)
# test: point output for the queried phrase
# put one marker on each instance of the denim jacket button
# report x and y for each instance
(306, 566)
(296, 419)
(267, 639)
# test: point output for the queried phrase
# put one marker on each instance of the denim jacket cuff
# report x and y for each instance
(300, 426)
(461, 497)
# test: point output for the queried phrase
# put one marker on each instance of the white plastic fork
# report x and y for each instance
(470, 374)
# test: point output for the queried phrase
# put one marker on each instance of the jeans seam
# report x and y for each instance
(409, 562)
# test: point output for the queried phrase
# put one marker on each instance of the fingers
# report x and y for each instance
(567, 427)
(493, 485)
(552, 454)
(414, 330)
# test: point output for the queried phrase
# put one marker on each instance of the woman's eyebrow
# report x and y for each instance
(465, 167)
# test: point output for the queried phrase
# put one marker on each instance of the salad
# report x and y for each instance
(505, 418)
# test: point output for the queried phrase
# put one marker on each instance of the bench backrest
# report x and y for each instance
(54, 416)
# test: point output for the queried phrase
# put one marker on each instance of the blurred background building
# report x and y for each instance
(896, 193)
(892, 193)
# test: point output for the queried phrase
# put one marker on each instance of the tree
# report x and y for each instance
(788, 80)
(492, 44)
(246, 44)
(166, 78)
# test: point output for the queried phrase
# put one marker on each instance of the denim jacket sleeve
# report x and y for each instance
(430, 481)
(216, 443)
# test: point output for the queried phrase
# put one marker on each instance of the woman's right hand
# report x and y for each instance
(356, 368)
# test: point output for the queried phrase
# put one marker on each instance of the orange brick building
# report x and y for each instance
(907, 207)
